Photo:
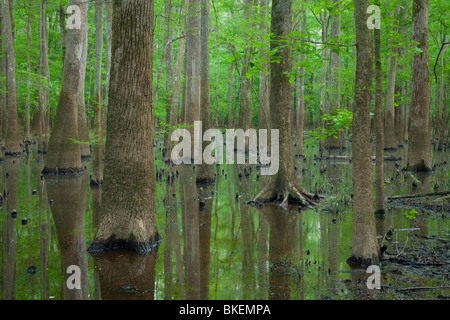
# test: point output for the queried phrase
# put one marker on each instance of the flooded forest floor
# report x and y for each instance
(217, 246)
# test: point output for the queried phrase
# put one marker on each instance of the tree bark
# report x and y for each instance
(419, 148)
(282, 186)
(263, 115)
(379, 128)
(26, 135)
(300, 95)
(12, 137)
(128, 201)
(365, 250)
(97, 159)
(205, 173)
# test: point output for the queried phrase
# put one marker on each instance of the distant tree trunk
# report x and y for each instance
(390, 142)
(192, 70)
(263, 115)
(168, 55)
(365, 250)
(63, 30)
(12, 138)
(64, 150)
(109, 14)
(26, 135)
(335, 75)
(83, 130)
(301, 113)
(323, 77)
(128, 201)
(283, 185)
(44, 74)
(246, 101)
(205, 173)
(97, 161)
(379, 127)
(419, 148)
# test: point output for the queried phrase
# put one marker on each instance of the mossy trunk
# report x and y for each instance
(128, 201)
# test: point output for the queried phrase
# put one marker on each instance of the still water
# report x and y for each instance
(215, 245)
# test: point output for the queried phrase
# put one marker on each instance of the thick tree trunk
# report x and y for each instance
(97, 160)
(128, 200)
(12, 137)
(205, 173)
(365, 250)
(64, 150)
(419, 148)
(282, 186)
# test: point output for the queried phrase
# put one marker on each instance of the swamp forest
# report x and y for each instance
(224, 150)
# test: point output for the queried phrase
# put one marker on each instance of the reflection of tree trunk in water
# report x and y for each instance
(333, 246)
(262, 257)
(44, 231)
(300, 255)
(126, 275)
(96, 217)
(205, 239)
(9, 237)
(68, 212)
(281, 226)
(247, 231)
(190, 216)
(170, 241)
(231, 200)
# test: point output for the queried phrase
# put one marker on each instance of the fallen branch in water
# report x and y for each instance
(420, 195)
(423, 288)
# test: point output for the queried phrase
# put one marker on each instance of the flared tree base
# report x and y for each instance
(131, 244)
(286, 194)
(62, 171)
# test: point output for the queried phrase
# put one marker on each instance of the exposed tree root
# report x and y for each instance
(287, 194)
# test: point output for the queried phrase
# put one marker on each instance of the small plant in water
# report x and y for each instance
(411, 214)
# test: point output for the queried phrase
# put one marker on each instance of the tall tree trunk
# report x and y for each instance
(442, 117)
(205, 173)
(263, 115)
(44, 74)
(246, 103)
(64, 154)
(12, 138)
(379, 126)
(97, 161)
(168, 55)
(390, 142)
(419, 148)
(192, 72)
(365, 250)
(283, 185)
(300, 81)
(26, 135)
(63, 30)
(323, 77)
(335, 75)
(128, 200)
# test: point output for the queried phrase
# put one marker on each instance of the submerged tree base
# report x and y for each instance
(131, 244)
(363, 261)
(286, 194)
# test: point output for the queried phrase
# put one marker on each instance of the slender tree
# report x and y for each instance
(205, 173)
(12, 137)
(365, 250)
(128, 219)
